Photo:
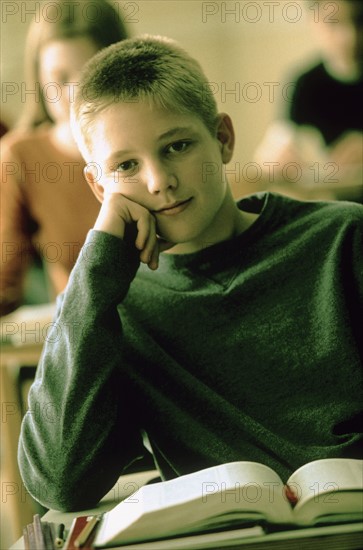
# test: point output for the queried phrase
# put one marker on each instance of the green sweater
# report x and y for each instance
(250, 349)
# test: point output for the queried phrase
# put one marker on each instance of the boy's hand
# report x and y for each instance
(117, 211)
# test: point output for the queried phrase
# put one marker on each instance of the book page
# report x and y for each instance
(240, 486)
(329, 487)
(215, 497)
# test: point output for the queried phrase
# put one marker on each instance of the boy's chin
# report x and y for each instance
(173, 239)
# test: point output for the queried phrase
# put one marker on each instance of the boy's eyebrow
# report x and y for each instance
(174, 131)
(168, 134)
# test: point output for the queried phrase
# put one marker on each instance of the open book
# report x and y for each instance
(320, 492)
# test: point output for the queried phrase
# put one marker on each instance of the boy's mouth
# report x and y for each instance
(174, 208)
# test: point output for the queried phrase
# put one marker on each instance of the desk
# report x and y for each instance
(22, 333)
(344, 537)
(16, 503)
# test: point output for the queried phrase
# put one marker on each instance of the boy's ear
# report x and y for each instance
(91, 174)
(225, 136)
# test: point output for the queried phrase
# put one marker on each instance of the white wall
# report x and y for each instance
(241, 46)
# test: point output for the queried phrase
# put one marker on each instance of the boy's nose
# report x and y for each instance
(159, 179)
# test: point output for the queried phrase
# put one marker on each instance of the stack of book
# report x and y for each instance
(42, 535)
(230, 505)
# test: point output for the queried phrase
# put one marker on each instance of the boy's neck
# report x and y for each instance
(229, 222)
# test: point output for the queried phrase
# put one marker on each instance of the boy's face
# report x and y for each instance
(168, 163)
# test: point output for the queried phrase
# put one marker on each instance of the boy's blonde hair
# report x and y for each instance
(150, 68)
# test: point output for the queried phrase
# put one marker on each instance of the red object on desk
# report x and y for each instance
(76, 528)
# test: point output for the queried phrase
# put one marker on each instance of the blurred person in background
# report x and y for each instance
(321, 130)
(47, 207)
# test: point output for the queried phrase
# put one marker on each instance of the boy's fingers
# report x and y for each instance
(143, 230)
(154, 259)
(161, 246)
(150, 242)
(144, 235)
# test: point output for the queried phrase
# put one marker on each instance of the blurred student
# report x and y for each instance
(47, 208)
(322, 129)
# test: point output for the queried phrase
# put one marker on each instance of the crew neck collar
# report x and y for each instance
(260, 203)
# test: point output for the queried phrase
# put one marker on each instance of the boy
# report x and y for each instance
(235, 338)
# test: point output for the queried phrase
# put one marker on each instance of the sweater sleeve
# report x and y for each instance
(79, 434)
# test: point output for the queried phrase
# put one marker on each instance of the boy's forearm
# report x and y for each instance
(69, 451)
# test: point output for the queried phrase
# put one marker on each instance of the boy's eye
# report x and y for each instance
(127, 166)
(178, 146)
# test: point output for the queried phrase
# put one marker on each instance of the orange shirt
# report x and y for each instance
(46, 207)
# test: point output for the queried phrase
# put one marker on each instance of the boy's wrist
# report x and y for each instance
(109, 256)
(109, 223)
